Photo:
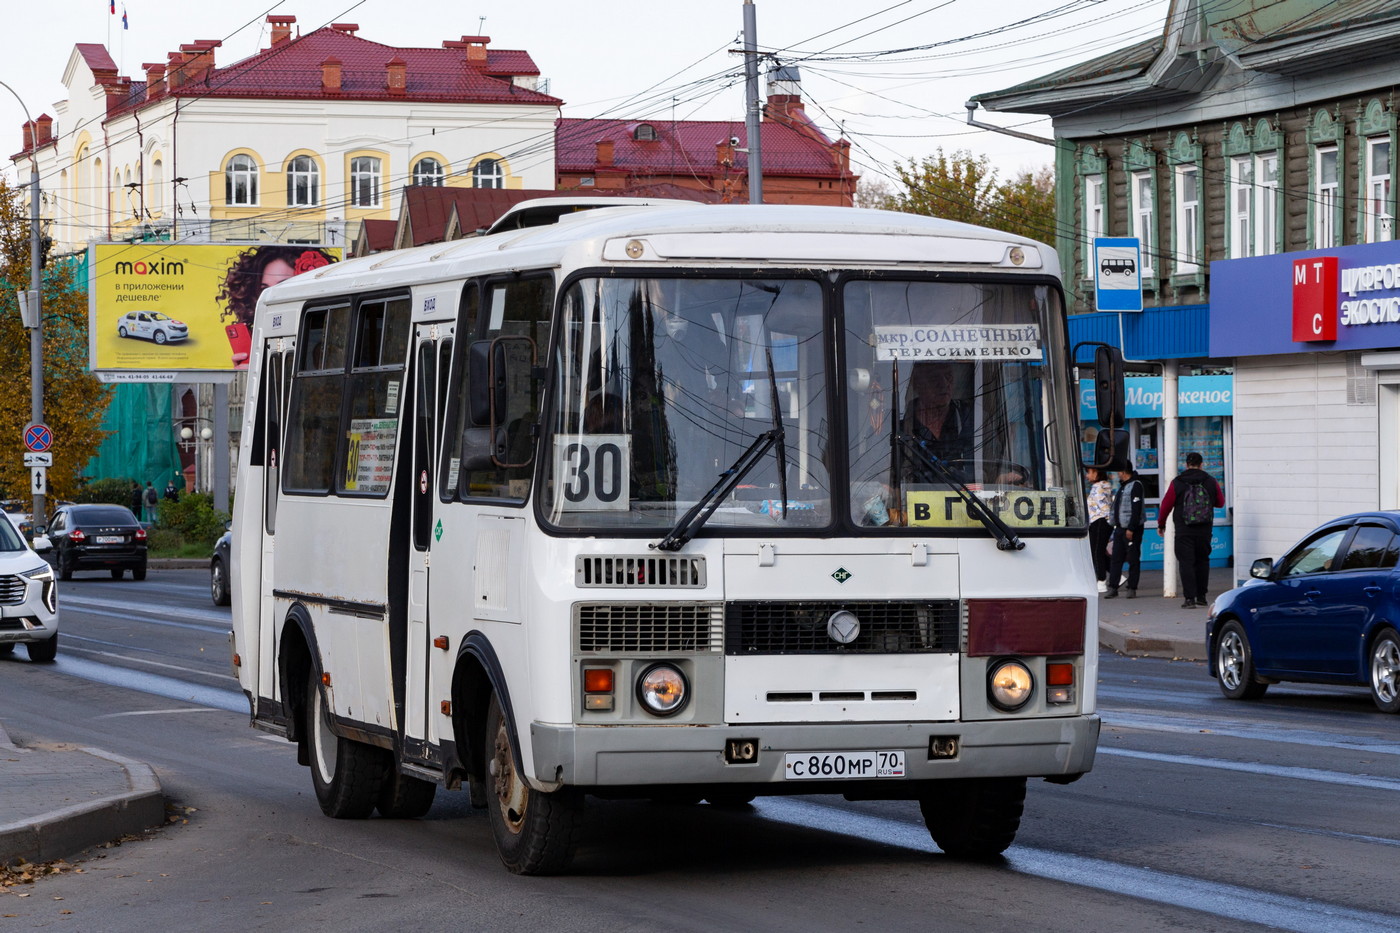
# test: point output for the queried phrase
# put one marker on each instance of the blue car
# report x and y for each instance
(1327, 612)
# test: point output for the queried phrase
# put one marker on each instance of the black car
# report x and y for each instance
(96, 537)
(218, 570)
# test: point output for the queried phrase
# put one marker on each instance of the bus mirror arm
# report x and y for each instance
(1006, 538)
(693, 520)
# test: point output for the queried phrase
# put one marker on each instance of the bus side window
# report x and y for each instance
(517, 308)
(312, 425)
(450, 473)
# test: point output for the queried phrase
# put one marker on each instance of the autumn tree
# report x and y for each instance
(74, 401)
(964, 187)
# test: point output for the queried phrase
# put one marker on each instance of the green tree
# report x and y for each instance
(73, 398)
(963, 187)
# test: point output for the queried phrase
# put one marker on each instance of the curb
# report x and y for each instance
(1131, 644)
(68, 830)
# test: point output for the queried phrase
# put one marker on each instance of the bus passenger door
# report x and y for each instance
(432, 356)
(272, 398)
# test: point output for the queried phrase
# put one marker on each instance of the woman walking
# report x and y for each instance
(1100, 528)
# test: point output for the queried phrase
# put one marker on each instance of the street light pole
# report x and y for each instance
(36, 333)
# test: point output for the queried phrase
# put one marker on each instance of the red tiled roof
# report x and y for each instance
(97, 57)
(292, 69)
(688, 148)
(379, 234)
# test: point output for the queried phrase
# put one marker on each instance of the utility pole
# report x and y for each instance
(754, 117)
(36, 330)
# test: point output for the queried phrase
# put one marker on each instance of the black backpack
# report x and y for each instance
(1197, 508)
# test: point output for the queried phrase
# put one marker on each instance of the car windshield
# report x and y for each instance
(663, 384)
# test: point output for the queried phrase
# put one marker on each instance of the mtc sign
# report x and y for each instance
(1315, 299)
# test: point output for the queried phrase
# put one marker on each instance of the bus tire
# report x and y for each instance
(347, 776)
(974, 818)
(535, 832)
(403, 797)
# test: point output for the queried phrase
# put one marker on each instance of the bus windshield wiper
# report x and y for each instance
(1006, 538)
(695, 519)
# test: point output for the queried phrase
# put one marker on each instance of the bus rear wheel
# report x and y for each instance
(974, 818)
(347, 776)
(535, 832)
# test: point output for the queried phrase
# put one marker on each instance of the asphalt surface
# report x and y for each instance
(61, 799)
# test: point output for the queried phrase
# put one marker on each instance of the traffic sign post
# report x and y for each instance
(1118, 273)
(39, 484)
(34, 459)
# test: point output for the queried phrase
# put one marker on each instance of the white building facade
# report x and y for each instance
(297, 143)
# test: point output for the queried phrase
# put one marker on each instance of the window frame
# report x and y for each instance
(311, 178)
(241, 168)
(366, 173)
(431, 179)
(1095, 218)
(1378, 225)
(489, 170)
(1143, 211)
(1326, 197)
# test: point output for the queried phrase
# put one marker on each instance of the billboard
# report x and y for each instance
(157, 308)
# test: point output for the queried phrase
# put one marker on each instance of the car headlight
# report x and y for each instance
(662, 689)
(43, 574)
(1009, 685)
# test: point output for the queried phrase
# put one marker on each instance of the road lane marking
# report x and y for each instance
(161, 712)
(1255, 767)
(1296, 914)
(158, 684)
(220, 621)
(145, 620)
(1238, 729)
(173, 667)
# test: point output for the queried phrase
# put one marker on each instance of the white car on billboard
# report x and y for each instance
(151, 325)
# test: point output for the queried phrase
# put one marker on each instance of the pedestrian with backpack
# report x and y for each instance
(1193, 498)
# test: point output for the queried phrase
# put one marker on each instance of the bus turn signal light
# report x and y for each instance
(440, 642)
(597, 680)
(1059, 674)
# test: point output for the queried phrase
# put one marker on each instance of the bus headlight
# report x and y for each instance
(662, 689)
(1009, 685)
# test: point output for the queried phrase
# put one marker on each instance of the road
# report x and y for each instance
(1201, 815)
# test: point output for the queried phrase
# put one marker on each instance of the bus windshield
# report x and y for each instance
(664, 383)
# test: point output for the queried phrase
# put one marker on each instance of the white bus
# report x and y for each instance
(702, 502)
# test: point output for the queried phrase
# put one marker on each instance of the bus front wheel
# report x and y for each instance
(974, 818)
(347, 776)
(535, 832)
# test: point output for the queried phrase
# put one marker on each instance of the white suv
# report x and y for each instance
(28, 599)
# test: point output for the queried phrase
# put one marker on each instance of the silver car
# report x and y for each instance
(152, 325)
(28, 599)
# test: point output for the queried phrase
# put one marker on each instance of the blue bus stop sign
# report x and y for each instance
(1117, 273)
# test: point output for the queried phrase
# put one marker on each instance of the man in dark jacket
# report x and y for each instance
(1193, 496)
(1127, 521)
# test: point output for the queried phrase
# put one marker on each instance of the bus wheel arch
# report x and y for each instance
(296, 650)
(476, 677)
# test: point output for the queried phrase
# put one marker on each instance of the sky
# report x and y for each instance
(889, 75)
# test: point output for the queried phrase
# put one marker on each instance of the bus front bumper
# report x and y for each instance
(622, 756)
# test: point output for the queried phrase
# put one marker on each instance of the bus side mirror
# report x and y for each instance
(1108, 386)
(1110, 449)
(481, 450)
(486, 382)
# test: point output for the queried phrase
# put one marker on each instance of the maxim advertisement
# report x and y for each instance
(162, 307)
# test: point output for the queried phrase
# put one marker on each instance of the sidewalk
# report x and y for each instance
(61, 799)
(1153, 627)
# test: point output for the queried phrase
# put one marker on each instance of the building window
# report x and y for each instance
(429, 173)
(1144, 221)
(241, 182)
(1326, 199)
(364, 181)
(1093, 219)
(1379, 219)
(1241, 205)
(644, 132)
(157, 185)
(1266, 212)
(586, 181)
(1187, 248)
(488, 174)
(303, 182)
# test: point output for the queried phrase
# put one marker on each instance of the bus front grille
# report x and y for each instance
(638, 570)
(649, 628)
(757, 627)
